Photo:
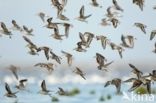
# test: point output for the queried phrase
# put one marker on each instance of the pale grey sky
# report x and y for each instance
(13, 50)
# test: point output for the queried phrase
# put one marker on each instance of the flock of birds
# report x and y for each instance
(112, 18)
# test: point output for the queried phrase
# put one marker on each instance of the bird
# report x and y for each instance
(104, 40)
(154, 51)
(136, 71)
(55, 57)
(79, 72)
(42, 16)
(117, 5)
(127, 41)
(46, 51)
(48, 66)
(5, 30)
(104, 22)
(138, 82)
(141, 26)
(51, 25)
(16, 26)
(118, 48)
(67, 27)
(153, 34)
(9, 92)
(28, 31)
(69, 57)
(90, 37)
(80, 48)
(61, 91)
(114, 22)
(95, 3)
(82, 16)
(57, 35)
(116, 82)
(14, 70)
(21, 85)
(33, 48)
(140, 3)
(44, 89)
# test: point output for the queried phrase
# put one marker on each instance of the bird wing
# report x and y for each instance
(8, 88)
(82, 11)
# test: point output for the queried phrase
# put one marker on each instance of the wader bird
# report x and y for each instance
(116, 82)
(9, 92)
(79, 72)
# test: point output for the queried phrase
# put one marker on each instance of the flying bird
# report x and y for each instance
(16, 26)
(136, 71)
(28, 31)
(116, 82)
(153, 34)
(141, 26)
(82, 16)
(9, 92)
(48, 66)
(5, 30)
(104, 40)
(79, 72)
(55, 57)
(21, 85)
(14, 70)
(117, 5)
(69, 57)
(44, 89)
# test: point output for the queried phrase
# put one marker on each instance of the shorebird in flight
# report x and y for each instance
(136, 71)
(79, 72)
(28, 31)
(141, 26)
(117, 7)
(153, 34)
(21, 85)
(55, 57)
(33, 48)
(118, 48)
(14, 70)
(44, 89)
(101, 60)
(114, 22)
(116, 82)
(48, 66)
(69, 57)
(94, 3)
(80, 48)
(16, 26)
(104, 22)
(5, 30)
(46, 51)
(127, 41)
(154, 51)
(82, 16)
(139, 3)
(9, 92)
(104, 40)
(61, 91)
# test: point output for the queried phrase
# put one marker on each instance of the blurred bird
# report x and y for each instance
(16, 26)
(14, 70)
(55, 57)
(61, 91)
(116, 82)
(9, 92)
(127, 41)
(56, 34)
(104, 40)
(33, 48)
(154, 51)
(42, 16)
(153, 34)
(28, 31)
(82, 16)
(44, 90)
(80, 48)
(105, 22)
(95, 3)
(118, 48)
(69, 57)
(67, 27)
(5, 30)
(117, 5)
(48, 66)
(114, 22)
(21, 85)
(139, 3)
(46, 51)
(79, 72)
(141, 26)
(136, 71)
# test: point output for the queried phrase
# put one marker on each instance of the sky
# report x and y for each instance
(13, 51)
